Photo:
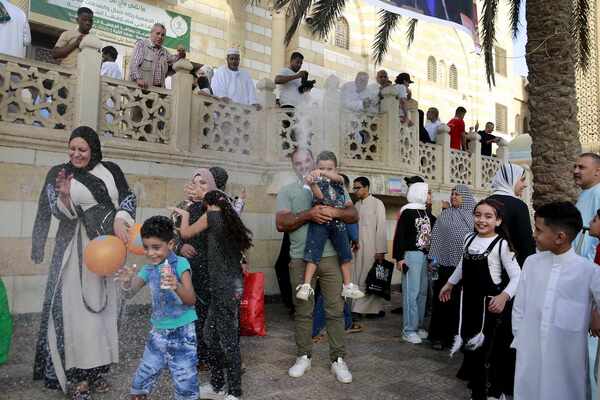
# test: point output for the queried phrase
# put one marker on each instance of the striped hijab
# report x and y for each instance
(453, 224)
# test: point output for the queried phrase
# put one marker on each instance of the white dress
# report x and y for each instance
(550, 319)
(90, 337)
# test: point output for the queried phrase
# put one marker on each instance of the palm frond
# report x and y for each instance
(325, 14)
(296, 10)
(580, 32)
(410, 31)
(388, 21)
(515, 10)
(488, 37)
(277, 4)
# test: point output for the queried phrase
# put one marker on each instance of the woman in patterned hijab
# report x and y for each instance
(447, 240)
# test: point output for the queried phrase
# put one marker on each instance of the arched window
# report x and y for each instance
(342, 33)
(453, 77)
(525, 124)
(431, 69)
(442, 74)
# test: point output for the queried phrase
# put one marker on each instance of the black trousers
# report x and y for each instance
(282, 270)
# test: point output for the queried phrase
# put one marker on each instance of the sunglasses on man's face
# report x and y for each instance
(355, 188)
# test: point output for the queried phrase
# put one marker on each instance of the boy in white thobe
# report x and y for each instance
(551, 313)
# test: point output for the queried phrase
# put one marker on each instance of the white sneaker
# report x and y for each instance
(231, 397)
(208, 392)
(304, 291)
(352, 291)
(341, 371)
(411, 338)
(423, 334)
(300, 367)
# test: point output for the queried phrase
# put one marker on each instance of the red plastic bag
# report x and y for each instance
(252, 306)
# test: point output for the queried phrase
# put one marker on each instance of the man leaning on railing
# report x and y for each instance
(150, 61)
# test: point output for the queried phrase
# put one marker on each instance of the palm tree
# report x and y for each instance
(554, 29)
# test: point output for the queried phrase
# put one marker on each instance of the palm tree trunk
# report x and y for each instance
(551, 58)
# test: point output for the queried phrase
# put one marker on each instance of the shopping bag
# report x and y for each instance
(379, 279)
(6, 327)
(252, 307)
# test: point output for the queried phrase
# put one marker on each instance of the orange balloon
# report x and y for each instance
(135, 245)
(104, 255)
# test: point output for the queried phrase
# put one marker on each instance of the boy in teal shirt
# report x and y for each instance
(172, 340)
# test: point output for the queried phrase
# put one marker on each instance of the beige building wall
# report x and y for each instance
(259, 32)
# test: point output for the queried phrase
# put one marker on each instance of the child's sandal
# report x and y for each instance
(82, 392)
(100, 385)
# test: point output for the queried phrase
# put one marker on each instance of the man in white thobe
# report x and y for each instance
(110, 67)
(232, 83)
(356, 96)
(551, 313)
(372, 239)
(587, 177)
(14, 30)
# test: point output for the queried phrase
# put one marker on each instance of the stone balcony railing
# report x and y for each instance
(40, 103)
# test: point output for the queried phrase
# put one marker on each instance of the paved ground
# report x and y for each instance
(383, 366)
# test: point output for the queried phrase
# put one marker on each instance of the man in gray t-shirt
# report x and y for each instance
(294, 212)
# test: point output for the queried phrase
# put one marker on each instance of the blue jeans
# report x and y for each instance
(414, 291)
(319, 314)
(174, 349)
(317, 236)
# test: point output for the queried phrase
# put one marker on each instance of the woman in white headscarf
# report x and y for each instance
(507, 186)
(411, 243)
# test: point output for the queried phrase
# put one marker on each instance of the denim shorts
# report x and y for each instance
(174, 349)
(318, 234)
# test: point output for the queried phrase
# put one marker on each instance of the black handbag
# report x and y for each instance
(379, 279)
(98, 220)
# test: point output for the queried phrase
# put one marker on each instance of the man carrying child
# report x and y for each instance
(294, 212)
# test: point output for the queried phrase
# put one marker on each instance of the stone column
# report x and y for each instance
(236, 28)
(261, 138)
(87, 100)
(443, 139)
(502, 151)
(412, 108)
(332, 139)
(278, 53)
(390, 108)
(476, 163)
(265, 93)
(181, 105)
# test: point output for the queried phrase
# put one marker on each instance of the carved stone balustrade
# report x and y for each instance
(39, 100)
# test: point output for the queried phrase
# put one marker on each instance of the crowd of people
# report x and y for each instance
(522, 318)
(152, 66)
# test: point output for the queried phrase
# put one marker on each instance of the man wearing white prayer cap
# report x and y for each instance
(232, 83)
